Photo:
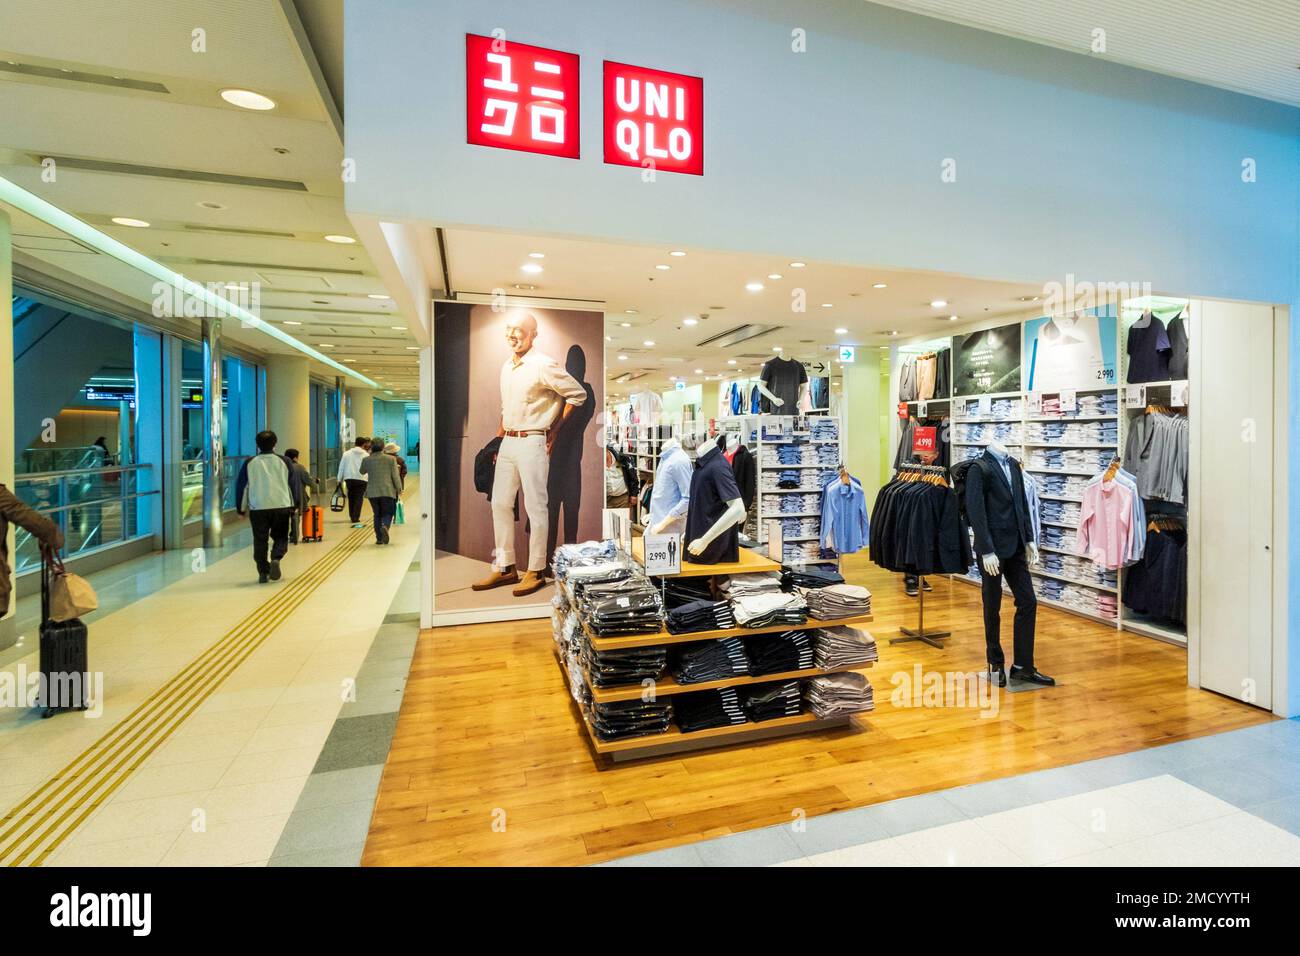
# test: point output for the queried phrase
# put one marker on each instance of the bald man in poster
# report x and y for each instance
(537, 396)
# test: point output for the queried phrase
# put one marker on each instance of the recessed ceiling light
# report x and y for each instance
(536, 255)
(828, 305)
(609, 338)
(938, 303)
(774, 275)
(412, 348)
(880, 285)
(672, 378)
(248, 100)
(525, 286)
(841, 331)
(894, 332)
(797, 265)
(341, 240)
(291, 322)
(133, 223)
(731, 361)
(626, 325)
(378, 295)
(663, 268)
(622, 358)
(677, 252)
(754, 286)
(776, 348)
(689, 320)
(398, 328)
(629, 311)
(325, 345)
(532, 268)
(699, 371)
(649, 343)
(952, 318)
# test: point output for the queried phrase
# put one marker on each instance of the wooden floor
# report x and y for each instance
(489, 765)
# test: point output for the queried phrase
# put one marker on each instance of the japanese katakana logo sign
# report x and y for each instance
(521, 97)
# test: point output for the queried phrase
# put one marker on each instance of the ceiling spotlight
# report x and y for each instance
(291, 322)
(412, 348)
(379, 295)
(731, 361)
(629, 311)
(536, 255)
(649, 343)
(894, 332)
(626, 325)
(622, 358)
(532, 268)
(663, 268)
(609, 338)
(953, 318)
(248, 100)
(677, 252)
(699, 371)
(774, 275)
(797, 265)
(754, 286)
(341, 240)
(325, 345)
(828, 305)
(841, 331)
(938, 303)
(690, 320)
(133, 223)
(777, 348)
(398, 328)
(880, 285)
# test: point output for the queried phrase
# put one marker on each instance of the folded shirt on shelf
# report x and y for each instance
(809, 576)
(772, 701)
(769, 609)
(628, 666)
(679, 591)
(834, 695)
(630, 718)
(708, 708)
(566, 554)
(838, 600)
(756, 582)
(802, 552)
(700, 616)
(631, 606)
(843, 646)
(821, 428)
(788, 651)
(709, 660)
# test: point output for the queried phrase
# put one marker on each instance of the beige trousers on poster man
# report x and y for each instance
(521, 463)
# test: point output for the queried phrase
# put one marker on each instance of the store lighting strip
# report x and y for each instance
(51, 215)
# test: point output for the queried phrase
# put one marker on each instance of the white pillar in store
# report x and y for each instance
(288, 404)
(862, 419)
(7, 450)
(361, 409)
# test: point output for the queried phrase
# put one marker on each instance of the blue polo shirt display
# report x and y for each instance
(712, 486)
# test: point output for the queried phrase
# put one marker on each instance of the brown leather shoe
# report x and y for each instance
(533, 581)
(497, 579)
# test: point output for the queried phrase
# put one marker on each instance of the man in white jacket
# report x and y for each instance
(352, 480)
(266, 490)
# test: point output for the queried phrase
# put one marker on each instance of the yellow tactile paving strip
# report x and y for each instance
(38, 825)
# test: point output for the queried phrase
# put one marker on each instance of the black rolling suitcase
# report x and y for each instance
(65, 666)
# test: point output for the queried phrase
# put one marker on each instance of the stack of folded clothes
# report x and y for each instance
(621, 607)
(772, 701)
(843, 646)
(810, 576)
(629, 666)
(834, 695)
(788, 651)
(769, 609)
(566, 554)
(580, 572)
(679, 591)
(630, 718)
(708, 708)
(838, 600)
(710, 660)
(700, 616)
(745, 585)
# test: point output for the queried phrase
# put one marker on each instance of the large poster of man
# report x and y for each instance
(986, 362)
(518, 465)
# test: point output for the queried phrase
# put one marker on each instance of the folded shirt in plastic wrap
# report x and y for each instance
(708, 708)
(772, 701)
(843, 646)
(834, 695)
(621, 607)
(621, 719)
(627, 666)
(566, 554)
(710, 660)
(838, 600)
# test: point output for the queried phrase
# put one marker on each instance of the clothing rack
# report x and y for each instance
(909, 635)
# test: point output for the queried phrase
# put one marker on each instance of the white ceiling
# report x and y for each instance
(1251, 46)
(710, 287)
(271, 232)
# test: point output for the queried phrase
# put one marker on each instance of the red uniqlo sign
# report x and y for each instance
(654, 119)
(521, 97)
(923, 439)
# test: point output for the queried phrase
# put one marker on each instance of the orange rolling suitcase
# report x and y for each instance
(313, 523)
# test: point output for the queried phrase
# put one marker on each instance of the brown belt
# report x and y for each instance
(510, 434)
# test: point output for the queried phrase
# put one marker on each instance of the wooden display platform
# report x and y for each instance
(659, 638)
(750, 562)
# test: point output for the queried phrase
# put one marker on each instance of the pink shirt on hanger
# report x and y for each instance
(1105, 524)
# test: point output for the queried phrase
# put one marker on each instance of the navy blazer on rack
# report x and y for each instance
(998, 511)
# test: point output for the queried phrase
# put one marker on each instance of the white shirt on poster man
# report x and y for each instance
(533, 390)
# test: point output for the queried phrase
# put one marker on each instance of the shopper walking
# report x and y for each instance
(392, 449)
(267, 490)
(12, 510)
(353, 481)
(383, 487)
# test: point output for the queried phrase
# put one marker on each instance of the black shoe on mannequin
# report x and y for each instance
(1031, 675)
(997, 676)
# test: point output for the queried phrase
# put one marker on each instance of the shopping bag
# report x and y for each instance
(71, 595)
(400, 517)
(338, 502)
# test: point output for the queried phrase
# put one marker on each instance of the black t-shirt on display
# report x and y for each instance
(1178, 348)
(1148, 351)
(782, 377)
(712, 486)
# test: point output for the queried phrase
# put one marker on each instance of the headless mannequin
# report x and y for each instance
(668, 445)
(990, 561)
(735, 513)
(803, 393)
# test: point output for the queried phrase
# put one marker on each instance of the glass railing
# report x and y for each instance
(192, 485)
(93, 507)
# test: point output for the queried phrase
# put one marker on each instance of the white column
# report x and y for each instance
(361, 409)
(861, 425)
(288, 404)
(7, 450)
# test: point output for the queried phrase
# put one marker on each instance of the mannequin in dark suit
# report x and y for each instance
(1004, 546)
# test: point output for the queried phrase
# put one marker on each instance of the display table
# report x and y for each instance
(673, 740)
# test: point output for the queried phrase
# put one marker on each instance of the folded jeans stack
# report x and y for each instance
(788, 651)
(772, 701)
(710, 660)
(843, 646)
(700, 616)
(837, 601)
(834, 695)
